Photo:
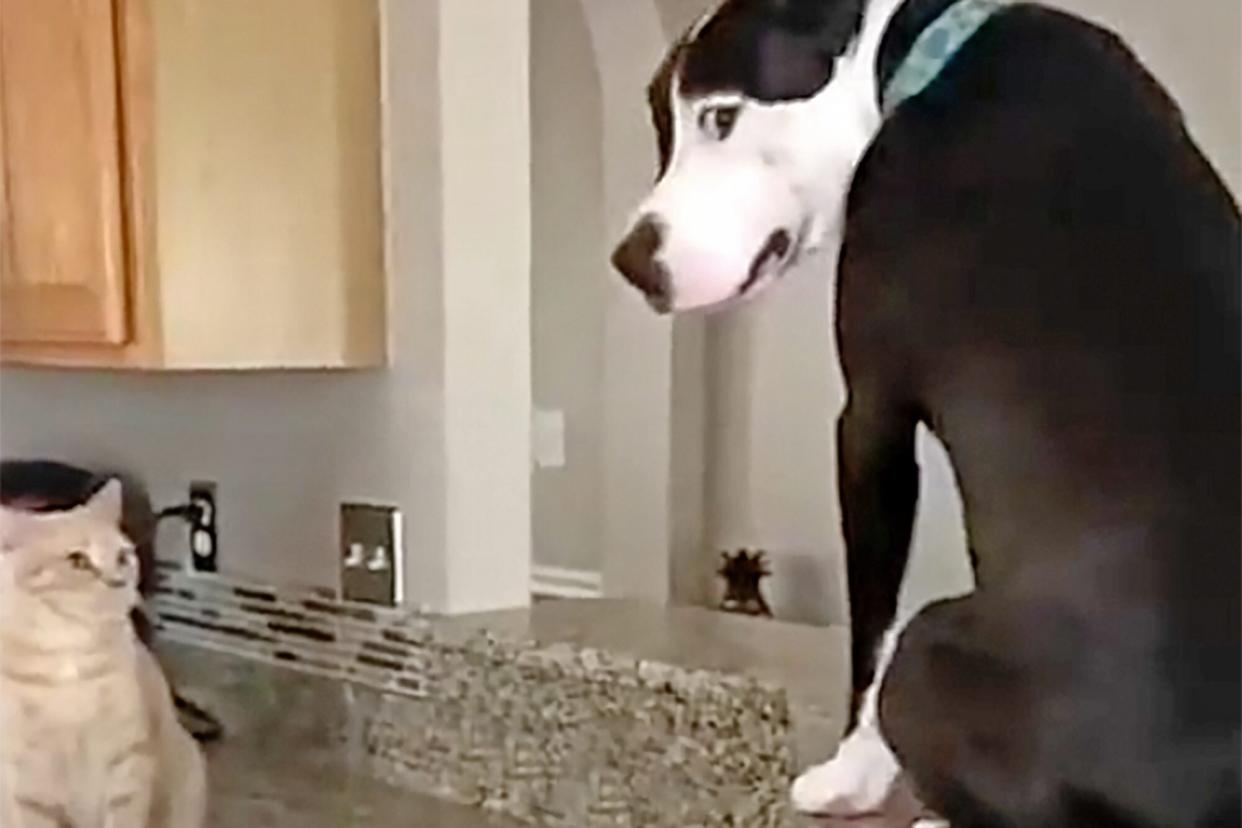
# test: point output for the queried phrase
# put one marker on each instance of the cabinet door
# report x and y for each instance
(63, 263)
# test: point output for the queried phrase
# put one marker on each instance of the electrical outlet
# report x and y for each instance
(371, 554)
(204, 548)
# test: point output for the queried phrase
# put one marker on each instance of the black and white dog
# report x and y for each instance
(1038, 264)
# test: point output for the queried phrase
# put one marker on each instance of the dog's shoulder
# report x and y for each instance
(1038, 48)
(1044, 150)
(1034, 86)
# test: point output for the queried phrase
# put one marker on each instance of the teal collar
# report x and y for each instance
(934, 48)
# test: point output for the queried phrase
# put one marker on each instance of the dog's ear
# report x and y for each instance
(831, 25)
(771, 50)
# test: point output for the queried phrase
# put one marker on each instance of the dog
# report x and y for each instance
(1035, 261)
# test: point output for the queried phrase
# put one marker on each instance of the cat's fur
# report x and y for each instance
(88, 734)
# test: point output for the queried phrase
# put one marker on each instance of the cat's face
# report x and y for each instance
(76, 562)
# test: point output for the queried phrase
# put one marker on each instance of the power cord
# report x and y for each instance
(190, 512)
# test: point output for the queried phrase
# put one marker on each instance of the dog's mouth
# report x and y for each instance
(775, 254)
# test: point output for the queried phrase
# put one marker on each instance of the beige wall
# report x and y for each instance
(443, 432)
(569, 274)
(612, 508)
(628, 504)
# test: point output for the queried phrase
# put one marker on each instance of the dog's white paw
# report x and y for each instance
(860, 780)
(930, 823)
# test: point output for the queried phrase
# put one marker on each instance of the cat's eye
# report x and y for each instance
(719, 121)
(79, 560)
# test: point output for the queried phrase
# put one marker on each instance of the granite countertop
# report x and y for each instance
(810, 663)
(573, 714)
(264, 787)
(282, 762)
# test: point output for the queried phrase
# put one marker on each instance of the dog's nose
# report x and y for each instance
(635, 259)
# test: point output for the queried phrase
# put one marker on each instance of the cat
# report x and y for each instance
(50, 486)
(88, 734)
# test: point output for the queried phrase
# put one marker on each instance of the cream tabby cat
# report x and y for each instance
(88, 734)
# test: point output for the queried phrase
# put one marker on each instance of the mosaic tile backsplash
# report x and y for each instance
(552, 734)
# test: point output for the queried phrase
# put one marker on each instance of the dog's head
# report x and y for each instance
(761, 111)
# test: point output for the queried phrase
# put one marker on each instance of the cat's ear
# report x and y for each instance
(105, 504)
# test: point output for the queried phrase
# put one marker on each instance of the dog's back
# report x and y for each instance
(1041, 259)
(1061, 266)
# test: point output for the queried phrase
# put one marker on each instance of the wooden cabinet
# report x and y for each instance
(64, 274)
(190, 184)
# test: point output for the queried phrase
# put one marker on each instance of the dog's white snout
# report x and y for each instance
(727, 224)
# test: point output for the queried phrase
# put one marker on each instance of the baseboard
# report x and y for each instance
(561, 582)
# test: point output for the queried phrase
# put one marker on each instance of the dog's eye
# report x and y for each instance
(719, 121)
(79, 560)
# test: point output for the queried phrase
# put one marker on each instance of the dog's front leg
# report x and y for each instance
(878, 480)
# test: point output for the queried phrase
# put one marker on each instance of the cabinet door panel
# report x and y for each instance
(63, 276)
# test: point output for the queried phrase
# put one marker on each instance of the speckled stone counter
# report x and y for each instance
(573, 714)
(285, 762)
(808, 664)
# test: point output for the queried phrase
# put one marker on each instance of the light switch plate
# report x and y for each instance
(371, 554)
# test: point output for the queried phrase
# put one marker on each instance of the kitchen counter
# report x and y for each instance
(282, 762)
(596, 714)
(256, 787)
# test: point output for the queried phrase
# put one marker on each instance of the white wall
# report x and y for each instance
(442, 433)
(486, 203)
(598, 355)
(570, 275)
(629, 502)
(628, 39)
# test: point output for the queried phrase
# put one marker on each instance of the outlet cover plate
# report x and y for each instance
(204, 535)
(371, 554)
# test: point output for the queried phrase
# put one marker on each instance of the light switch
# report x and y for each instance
(371, 553)
(378, 562)
(548, 438)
